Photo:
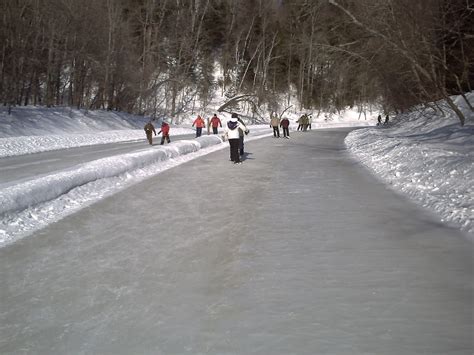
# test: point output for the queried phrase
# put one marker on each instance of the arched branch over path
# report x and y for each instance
(248, 98)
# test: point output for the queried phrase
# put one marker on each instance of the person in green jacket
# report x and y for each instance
(149, 129)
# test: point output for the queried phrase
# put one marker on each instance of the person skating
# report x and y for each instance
(305, 123)
(200, 124)
(149, 130)
(232, 134)
(275, 124)
(242, 135)
(301, 122)
(165, 132)
(215, 123)
(285, 124)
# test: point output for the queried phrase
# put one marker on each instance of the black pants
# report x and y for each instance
(234, 150)
(198, 131)
(241, 145)
(165, 136)
(214, 130)
(286, 132)
(276, 132)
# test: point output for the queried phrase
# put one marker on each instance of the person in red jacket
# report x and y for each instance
(200, 124)
(165, 131)
(215, 123)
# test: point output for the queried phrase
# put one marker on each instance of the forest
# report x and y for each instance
(156, 57)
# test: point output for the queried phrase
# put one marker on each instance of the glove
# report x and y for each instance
(247, 132)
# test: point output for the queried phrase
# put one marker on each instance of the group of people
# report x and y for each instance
(150, 130)
(304, 122)
(215, 123)
(234, 131)
(276, 123)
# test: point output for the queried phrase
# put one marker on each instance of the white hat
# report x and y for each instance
(233, 119)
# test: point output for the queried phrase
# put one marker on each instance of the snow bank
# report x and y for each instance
(40, 121)
(23, 195)
(428, 156)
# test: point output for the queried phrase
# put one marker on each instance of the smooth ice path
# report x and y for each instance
(300, 250)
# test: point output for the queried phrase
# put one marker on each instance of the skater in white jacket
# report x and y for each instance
(232, 134)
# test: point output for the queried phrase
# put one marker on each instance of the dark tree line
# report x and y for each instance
(145, 56)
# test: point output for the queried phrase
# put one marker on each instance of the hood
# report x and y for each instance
(232, 124)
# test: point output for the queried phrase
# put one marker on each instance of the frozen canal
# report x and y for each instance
(300, 250)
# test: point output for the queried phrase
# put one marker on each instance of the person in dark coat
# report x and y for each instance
(379, 120)
(386, 120)
(285, 124)
(242, 135)
(149, 130)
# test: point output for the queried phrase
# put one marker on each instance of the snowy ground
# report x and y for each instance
(428, 156)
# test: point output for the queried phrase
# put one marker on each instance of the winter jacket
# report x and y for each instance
(199, 122)
(275, 121)
(149, 128)
(165, 128)
(241, 131)
(232, 129)
(284, 123)
(215, 122)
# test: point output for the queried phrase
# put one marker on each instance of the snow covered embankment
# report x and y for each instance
(23, 195)
(30, 205)
(428, 158)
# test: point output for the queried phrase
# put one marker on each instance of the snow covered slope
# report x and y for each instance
(428, 156)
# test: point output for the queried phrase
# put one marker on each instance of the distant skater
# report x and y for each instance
(165, 132)
(232, 134)
(242, 135)
(149, 130)
(200, 124)
(285, 124)
(275, 123)
(215, 123)
(301, 122)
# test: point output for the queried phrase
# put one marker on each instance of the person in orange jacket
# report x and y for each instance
(200, 124)
(215, 123)
(165, 131)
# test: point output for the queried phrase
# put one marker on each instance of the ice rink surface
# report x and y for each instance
(299, 250)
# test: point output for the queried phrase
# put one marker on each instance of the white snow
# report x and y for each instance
(429, 157)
